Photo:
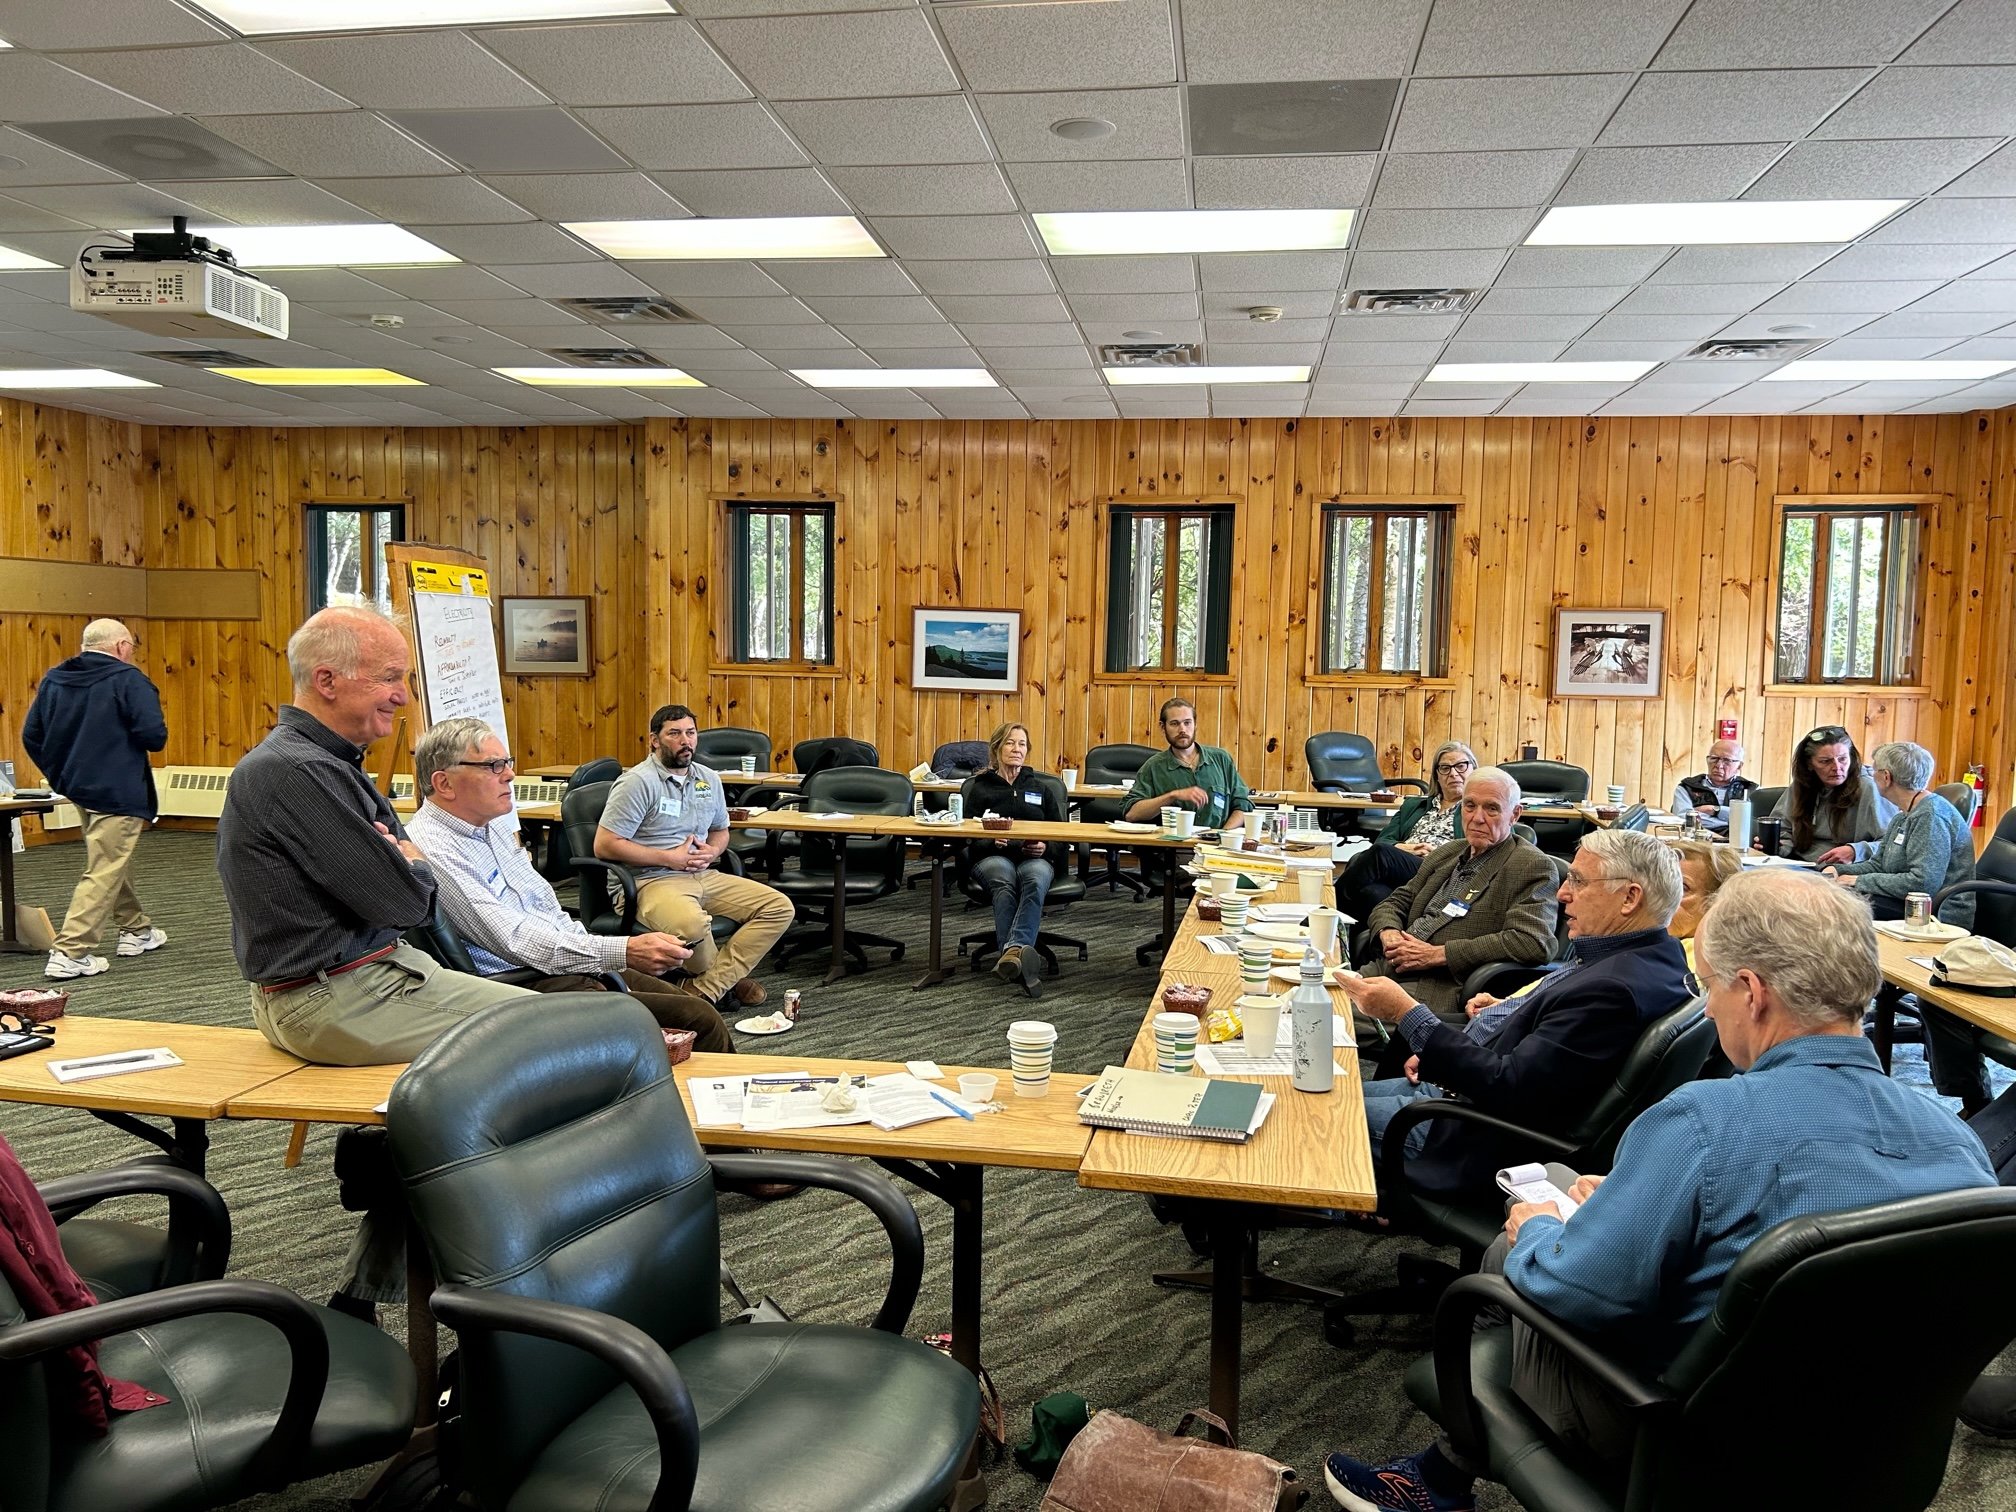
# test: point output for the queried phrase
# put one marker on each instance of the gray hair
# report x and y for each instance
(104, 634)
(1909, 766)
(1808, 940)
(334, 638)
(1501, 777)
(1634, 856)
(441, 746)
(1443, 750)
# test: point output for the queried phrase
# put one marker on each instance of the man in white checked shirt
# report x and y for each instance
(505, 911)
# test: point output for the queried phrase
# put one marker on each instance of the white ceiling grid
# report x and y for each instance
(931, 121)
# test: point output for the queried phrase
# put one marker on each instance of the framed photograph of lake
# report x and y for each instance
(546, 637)
(966, 650)
(1608, 653)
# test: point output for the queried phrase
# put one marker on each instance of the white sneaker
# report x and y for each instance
(131, 944)
(62, 967)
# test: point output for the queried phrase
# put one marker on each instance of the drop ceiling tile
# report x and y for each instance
(775, 191)
(35, 89)
(1328, 116)
(1771, 398)
(531, 242)
(1645, 175)
(922, 334)
(1315, 304)
(1673, 401)
(1366, 327)
(948, 189)
(320, 285)
(870, 309)
(1369, 354)
(1746, 264)
(17, 218)
(1950, 222)
(1103, 186)
(1997, 267)
(982, 333)
(160, 147)
(1098, 333)
(199, 78)
(1995, 175)
(409, 70)
(1794, 33)
(1451, 406)
(760, 310)
(1148, 124)
(1693, 299)
(1314, 182)
(1697, 108)
(434, 284)
(1271, 270)
(1930, 102)
(1051, 364)
(1869, 170)
(1653, 328)
(1134, 309)
(1249, 334)
(1458, 115)
(1350, 405)
(1502, 351)
(1414, 230)
(1701, 380)
(1815, 323)
(524, 140)
(1639, 349)
(1950, 323)
(934, 357)
(583, 197)
(1421, 270)
(1026, 276)
(1846, 294)
(136, 23)
(837, 56)
(1021, 308)
(1470, 180)
(810, 346)
(696, 136)
(937, 129)
(457, 201)
(1974, 31)
(1282, 353)
(1999, 348)
(1973, 294)
(686, 340)
(956, 236)
(1326, 390)
(1560, 398)
(657, 62)
(1062, 47)
(1482, 327)
(1552, 300)
(41, 163)
(116, 205)
(349, 144)
(1885, 348)
(856, 275)
(1542, 36)
(575, 280)
(272, 202)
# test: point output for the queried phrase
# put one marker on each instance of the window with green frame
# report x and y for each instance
(780, 578)
(1385, 589)
(1848, 594)
(1169, 588)
(346, 553)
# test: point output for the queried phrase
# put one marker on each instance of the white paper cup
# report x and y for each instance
(1263, 1024)
(1616, 791)
(1169, 819)
(1309, 884)
(748, 766)
(978, 1086)
(1186, 822)
(1033, 1033)
(1323, 930)
(1070, 776)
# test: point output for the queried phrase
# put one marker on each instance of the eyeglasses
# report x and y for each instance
(1695, 986)
(1455, 766)
(20, 1023)
(496, 768)
(1725, 761)
(1576, 881)
(1826, 735)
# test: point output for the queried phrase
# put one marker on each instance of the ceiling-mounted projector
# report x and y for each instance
(169, 283)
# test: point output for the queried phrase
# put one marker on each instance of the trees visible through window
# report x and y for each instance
(780, 572)
(1169, 589)
(346, 553)
(1385, 590)
(1848, 595)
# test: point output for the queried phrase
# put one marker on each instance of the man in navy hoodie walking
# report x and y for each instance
(94, 719)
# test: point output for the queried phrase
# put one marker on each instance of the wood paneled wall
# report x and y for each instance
(1664, 513)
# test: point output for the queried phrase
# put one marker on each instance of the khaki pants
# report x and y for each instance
(377, 1015)
(686, 905)
(104, 892)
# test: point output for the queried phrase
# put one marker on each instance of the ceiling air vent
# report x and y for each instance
(628, 309)
(1411, 301)
(605, 357)
(1764, 349)
(1151, 354)
(206, 357)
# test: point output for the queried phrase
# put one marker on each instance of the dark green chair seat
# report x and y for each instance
(117, 1257)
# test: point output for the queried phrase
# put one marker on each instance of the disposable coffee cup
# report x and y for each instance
(1186, 823)
(1175, 1042)
(1169, 820)
(1616, 791)
(748, 766)
(1309, 884)
(1032, 1033)
(1323, 930)
(1262, 1020)
(1070, 776)
(978, 1086)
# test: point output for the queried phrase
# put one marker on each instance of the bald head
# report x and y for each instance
(1725, 760)
(350, 668)
(1490, 807)
(111, 637)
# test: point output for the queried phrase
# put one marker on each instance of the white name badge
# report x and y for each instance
(1036, 798)
(668, 805)
(1456, 908)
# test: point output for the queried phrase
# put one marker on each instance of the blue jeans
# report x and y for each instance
(1017, 890)
(1384, 1099)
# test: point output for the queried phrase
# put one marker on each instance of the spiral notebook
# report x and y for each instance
(1150, 1102)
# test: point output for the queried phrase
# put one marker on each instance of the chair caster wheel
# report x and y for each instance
(896, 954)
(1339, 1331)
(1198, 1237)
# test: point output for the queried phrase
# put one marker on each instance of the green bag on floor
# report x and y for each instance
(1053, 1423)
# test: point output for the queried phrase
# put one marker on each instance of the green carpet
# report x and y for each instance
(1068, 1301)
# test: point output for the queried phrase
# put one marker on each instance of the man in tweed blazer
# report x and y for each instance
(1486, 897)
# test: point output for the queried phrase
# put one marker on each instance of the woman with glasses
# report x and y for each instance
(1417, 827)
(1833, 813)
(1927, 845)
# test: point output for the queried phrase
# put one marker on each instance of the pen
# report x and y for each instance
(113, 1060)
(941, 1097)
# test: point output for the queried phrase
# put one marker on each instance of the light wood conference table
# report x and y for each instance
(1901, 974)
(10, 810)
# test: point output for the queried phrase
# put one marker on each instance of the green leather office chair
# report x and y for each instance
(1065, 890)
(1750, 1417)
(570, 1214)
(118, 1257)
(580, 813)
(874, 862)
(1105, 765)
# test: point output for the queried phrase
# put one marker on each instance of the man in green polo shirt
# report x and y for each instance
(1197, 777)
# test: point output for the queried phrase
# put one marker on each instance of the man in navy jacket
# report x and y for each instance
(1540, 1059)
(94, 719)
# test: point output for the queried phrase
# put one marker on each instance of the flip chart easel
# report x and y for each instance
(443, 595)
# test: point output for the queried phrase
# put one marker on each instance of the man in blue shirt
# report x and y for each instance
(1809, 1125)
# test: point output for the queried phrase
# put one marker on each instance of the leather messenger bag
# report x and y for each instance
(1118, 1465)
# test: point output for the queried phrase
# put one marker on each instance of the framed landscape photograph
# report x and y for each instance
(966, 650)
(546, 637)
(1608, 653)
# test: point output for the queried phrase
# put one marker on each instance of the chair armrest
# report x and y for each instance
(1392, 1173)
(1980, 885)
(623, 875)
(732, 864)
(1455, 1319)
(877, 1192)
(193, 1204)
(1499, 978)
(307, 1346)
(1400, 782)
(626, 1349)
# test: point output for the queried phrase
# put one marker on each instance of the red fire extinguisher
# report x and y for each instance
(1976, 778)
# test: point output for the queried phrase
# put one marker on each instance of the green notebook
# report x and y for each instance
(1150, 1102)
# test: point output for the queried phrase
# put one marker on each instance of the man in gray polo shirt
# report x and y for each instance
(668, 822)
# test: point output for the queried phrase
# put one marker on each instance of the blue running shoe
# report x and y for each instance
(1395, 1487)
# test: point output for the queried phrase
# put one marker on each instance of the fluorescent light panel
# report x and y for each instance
(1102, 233)
(68, 378)
(571, 377)
(1710, 223)
(1165, 375)
(895, 378)
(9, 258)
(1539, 372)
(267, 17)
(771, 236)
(319, 377)
(369, 245)
(1820, 370)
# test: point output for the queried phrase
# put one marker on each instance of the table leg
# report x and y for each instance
(1160, 944)
(188, 1146)
(1228, 1248)
(1885, 1032)
(10, 942)
(935, 971)
(837, 967)
(959, 1187)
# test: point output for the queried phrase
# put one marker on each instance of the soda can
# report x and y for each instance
(1918, 909)
(955, 805)
(791, 1004)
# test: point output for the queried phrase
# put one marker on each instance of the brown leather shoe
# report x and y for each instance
(749, 992)
(1009, 967)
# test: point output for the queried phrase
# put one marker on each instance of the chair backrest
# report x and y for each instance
(435, 936)
(810, 756)
(1964, 796)
(1995, 913)
(855, 790)
(545, 1153)
(1542, 780)
(601, 769)
(1342, 762)
(581, 811)
(724, 747)
(1765, 799)
(1782, 1348)
(959, 758)
(1670, 1052)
